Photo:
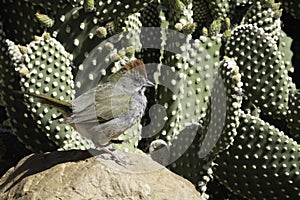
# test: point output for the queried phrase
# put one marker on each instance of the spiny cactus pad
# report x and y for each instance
(265, 15)
(219, 8)
(263, 72)
(293, 118)
(263, 163)
(226, 99)
(22, 123)
(49, 73)
(201, 14)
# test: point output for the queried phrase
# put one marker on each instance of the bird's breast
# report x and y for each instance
(137, 107)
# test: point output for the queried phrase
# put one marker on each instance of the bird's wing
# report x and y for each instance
(83, 101)
(100, 104)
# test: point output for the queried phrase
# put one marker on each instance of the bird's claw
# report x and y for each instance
(109, 155)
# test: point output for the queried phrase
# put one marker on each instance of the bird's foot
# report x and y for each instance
(109, 155)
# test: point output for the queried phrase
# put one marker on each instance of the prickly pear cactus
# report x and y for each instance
(225, 111)
(45, 68)
(256, 156)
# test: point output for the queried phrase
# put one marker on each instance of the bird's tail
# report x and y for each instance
(64, 107)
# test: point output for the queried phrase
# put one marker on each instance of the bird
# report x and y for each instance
(107, 110)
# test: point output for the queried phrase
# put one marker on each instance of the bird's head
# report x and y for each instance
(135, 77)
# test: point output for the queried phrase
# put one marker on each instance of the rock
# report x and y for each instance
(77, 175)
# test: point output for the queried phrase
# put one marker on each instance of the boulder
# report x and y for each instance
(79, 175)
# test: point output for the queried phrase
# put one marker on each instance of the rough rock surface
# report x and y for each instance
(78, 175)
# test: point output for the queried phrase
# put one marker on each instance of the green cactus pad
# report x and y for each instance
(194, 157)
(293, 117)
(202, 14)
(242, 2)
(285, 45)
(52, 5)
(179, 15)
(266, 15)
(110, 10)
(263, 163)
(19, 21)
(150, 15)
(226, 100)
(183, 112)
(49, 73)
(22, 123)
(264, 74)
(219, 8)
(77, 31)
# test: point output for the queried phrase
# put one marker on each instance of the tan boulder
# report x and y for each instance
(78, 175)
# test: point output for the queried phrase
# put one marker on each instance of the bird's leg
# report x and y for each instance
(113, 156)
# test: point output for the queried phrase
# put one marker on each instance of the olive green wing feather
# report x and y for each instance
(100, 104)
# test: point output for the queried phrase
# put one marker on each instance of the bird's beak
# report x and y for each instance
(149, 84)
